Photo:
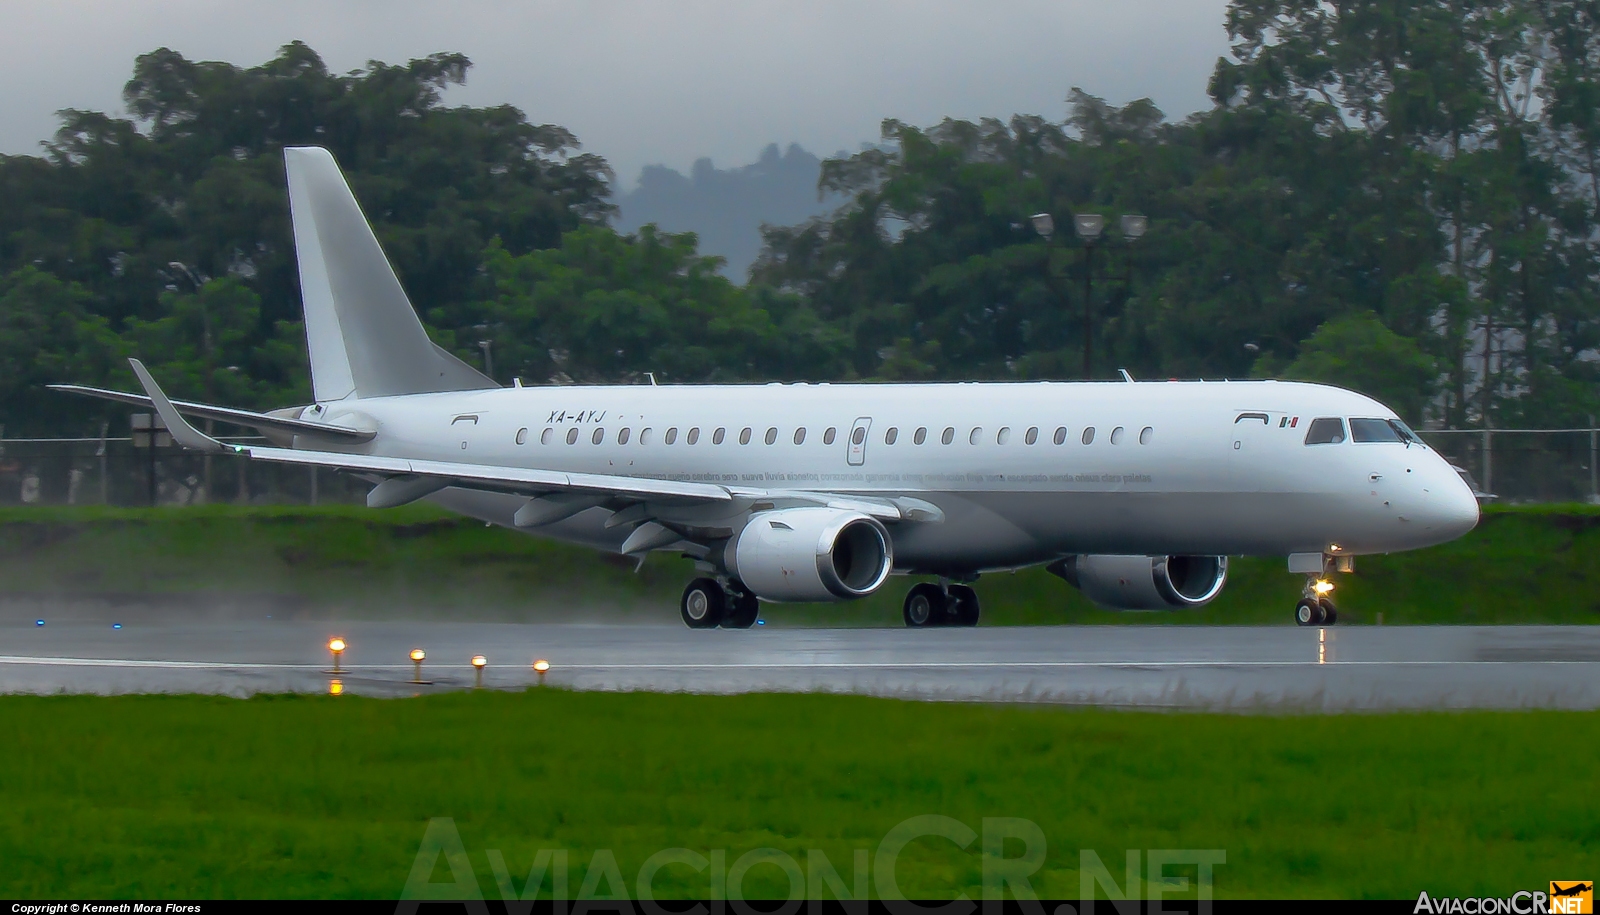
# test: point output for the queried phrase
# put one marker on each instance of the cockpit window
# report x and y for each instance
(1373, 430)
(1326, 430)
(1405, 432)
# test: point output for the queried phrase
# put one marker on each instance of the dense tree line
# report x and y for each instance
(1398, 197)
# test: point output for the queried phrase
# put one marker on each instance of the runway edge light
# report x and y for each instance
(336, 647)
(478, 664)
(541, 667)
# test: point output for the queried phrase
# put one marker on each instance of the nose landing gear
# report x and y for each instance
(1316, 607)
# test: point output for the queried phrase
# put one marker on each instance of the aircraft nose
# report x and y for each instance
(1452, 509)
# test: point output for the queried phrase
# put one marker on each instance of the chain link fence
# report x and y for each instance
(1514, 465)
(121, 471)
(1524, 465)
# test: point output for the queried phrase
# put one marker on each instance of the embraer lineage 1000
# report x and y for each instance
(1134, 492)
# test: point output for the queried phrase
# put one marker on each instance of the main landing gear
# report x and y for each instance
(706, 604)
(929, 604)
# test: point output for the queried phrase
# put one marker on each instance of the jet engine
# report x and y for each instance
(810, 554)
(1145, 582)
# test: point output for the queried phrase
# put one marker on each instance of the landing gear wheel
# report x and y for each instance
(743, 609)
(704, 603)
(962, 609)
(924, 606)
(1308, 612)
(1330, 613)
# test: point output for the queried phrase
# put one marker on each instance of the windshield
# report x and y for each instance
(1405, 432)
(1373, 430)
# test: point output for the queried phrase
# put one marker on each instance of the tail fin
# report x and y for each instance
(364, 337)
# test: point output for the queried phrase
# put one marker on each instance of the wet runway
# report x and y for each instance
(1234, 668)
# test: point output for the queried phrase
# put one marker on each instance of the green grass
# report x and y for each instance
(1522, 565)
(313, 796)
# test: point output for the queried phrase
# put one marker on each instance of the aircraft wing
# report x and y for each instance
(226, 414)
(408, 478)
(447, 473)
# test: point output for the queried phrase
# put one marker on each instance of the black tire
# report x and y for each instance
(1308, 612)
(704, 603)
(963, 607)
(1330, 613)
(924, 606)
(742, 611)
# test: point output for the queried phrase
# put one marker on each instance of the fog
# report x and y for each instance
(644, 83)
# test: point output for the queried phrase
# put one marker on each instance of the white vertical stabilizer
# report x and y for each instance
(364, 337)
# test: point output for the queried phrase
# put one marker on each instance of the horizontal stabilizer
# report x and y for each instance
(263, 421)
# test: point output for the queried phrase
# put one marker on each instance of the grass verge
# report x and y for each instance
(315, 796)
(1522, 565)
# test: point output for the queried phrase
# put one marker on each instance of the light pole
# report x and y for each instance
(1089, 227)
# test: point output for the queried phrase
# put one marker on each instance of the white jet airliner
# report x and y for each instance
(1135, 492)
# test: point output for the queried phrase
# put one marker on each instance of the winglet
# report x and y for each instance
(183, 433)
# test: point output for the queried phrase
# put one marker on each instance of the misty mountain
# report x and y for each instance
(726, 207)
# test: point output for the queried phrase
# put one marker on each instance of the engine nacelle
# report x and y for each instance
(810, 554)
(1145, 582)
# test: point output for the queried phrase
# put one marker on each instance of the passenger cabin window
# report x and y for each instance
(921, 435)
(975, 435)
(572, 435)
(719, 435)
(1003, 436)
(1116, 436)
(694, 435)
(1144, 435)
(1373, 430)
(672, 435)
(644, 436)
(891, 436)
(522, 436)
(744, 436)
(858, 436)
(1061, 435)
(800, 436)
(622, 437)
(544, 437)
(1325, 430)
(949, 435)
(828, 435)
(1032, 436)
(599, 436)
(772, 435)
(1088, 435)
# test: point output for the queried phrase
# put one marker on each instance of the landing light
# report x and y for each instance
(1322, 587)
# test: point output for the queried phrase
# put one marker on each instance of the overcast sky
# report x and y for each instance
(649, 81)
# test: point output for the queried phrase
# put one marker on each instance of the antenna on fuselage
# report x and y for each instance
(1125, 376)
(652, 377)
